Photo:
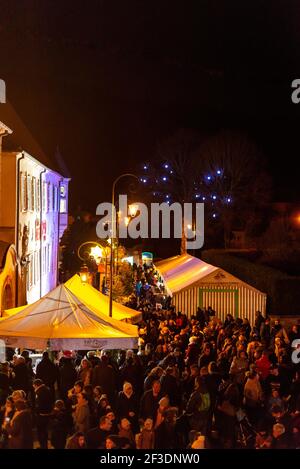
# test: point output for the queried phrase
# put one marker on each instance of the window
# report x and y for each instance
(44, 260)
(55, 195)
(50, 197)
(38, 195)
(30, 271)
(23, 192)
(33, 193)
(62, 191)
(63, 206)
(48, 258)
(29, 197)
(36, 267)
(44, 197)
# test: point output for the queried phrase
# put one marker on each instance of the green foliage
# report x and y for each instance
(123, 282)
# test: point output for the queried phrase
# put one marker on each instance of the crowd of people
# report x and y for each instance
(193, 383)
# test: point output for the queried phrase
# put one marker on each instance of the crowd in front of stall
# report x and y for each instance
(193, 383)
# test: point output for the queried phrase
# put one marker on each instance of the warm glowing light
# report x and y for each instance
(96, 252)
(126, 221)
(84, 274)
(189, 227)
(133, 208)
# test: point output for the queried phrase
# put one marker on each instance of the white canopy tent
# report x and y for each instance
(193, 283)
(61, 321)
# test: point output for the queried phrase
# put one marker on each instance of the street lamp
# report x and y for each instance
(113, 236)
(84, 274)
(97, 252)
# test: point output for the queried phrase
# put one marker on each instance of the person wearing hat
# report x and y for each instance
(19, 428)
(166, 434)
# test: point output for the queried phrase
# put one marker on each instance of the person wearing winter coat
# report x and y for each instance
(48, 373)
(81, 416)
(239, 366)
(59, 425)
(145, 439)
(67, 376)
(104, 375)
(253, 396)
(198, 406)
(127, 405)
(19, 428)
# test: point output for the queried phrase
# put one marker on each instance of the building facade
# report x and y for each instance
(33, 216)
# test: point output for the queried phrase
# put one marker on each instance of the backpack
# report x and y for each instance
(205, 402)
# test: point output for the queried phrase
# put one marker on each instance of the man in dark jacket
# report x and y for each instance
(43, 408)
(96, 436)
(105, 376)
(48, 373)
(150, 402)
(19, 428)
(21, 378)
(167, 435)
(170, 386)
(67, 376)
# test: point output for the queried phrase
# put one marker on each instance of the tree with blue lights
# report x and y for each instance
(224, 171)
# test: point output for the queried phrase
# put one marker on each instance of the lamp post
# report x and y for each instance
(113, 237)
(96, 253)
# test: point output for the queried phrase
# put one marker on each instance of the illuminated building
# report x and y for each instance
(33, 217)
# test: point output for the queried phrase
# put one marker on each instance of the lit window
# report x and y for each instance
(63, 206)
(38, 195)
(29, 198)
(33, 194)
(23, 192)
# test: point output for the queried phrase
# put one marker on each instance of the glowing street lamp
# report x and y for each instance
(97, 253)
(133, 209)
(113, 236)
(84, 274)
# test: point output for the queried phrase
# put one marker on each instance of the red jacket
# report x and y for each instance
(263, 366)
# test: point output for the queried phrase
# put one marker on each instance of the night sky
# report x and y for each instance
(107, 80)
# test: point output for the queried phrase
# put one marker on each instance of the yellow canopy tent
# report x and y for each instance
(100, 302)
(92, 297)
(61, 321)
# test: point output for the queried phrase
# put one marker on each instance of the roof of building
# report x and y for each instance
(21, 138)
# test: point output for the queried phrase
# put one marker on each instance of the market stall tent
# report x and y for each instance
(61, 321)
(100, 302)
(193, 283)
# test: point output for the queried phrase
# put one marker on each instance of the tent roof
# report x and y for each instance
(182, 271)
(100, 302)
(62, 321)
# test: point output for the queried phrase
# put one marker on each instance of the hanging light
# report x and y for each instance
(84, 274)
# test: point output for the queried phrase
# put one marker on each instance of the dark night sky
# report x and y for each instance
(106, 80)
